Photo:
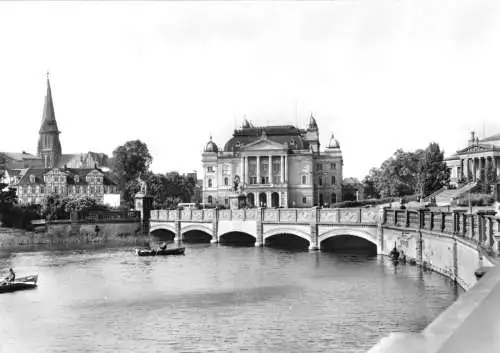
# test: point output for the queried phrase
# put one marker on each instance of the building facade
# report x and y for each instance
(479, 160)
(273, 166)
(35, 184)
(50, 172)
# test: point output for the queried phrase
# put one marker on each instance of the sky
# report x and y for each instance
(380, 75)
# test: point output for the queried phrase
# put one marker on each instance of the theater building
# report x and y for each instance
(273, 166)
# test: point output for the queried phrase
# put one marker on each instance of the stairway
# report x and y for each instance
(446, 196)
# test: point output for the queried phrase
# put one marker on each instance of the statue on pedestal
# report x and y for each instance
(143, 186)
(236, 184)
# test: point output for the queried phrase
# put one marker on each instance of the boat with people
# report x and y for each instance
(19, 283)
(159, 252)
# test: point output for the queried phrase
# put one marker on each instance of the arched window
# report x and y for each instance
(209, 183)
(209, 199)
(226, 181)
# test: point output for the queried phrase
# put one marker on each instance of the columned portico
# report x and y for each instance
(258, 170)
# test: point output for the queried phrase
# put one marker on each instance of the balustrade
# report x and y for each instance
(482, 228)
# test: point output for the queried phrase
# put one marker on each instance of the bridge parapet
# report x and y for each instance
(481, 228)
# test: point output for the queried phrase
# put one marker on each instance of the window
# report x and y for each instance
(41, 189)
(77, 179)
(209, 183)
(226, 201)
(320, 181)
(333, 165)
(333, 180)
(304, 179)
(92, 190)
(77, 189)
(334, 198)
(56, 189)
(252, 180)
(265, 180)
(304, 199)
(319, 166)
(209, 199)
(32, 178)
(210, 169)
(226, 181)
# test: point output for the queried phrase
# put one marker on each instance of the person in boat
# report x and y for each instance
(163, 246)
(12, 276)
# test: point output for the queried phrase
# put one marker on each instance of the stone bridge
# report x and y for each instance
(314, 225)
(452, 243)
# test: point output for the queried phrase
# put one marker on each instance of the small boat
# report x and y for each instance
(20, 283)
(160, 252)
(394, 255)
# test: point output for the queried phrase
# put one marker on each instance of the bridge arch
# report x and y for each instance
(198, 227)
(360, 233)
(237, 231)
(292, 231)
(164, 226)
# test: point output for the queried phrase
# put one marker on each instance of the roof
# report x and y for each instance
(278, 133)
(86, 160)
(495, 137)
(19, 156)
(49, 123)
(70, 173)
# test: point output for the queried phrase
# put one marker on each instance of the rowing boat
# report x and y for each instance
(20, 283)
(160, 252)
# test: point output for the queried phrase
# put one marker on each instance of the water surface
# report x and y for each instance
(215, 299)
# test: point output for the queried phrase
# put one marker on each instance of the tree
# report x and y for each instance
(369, 184)
(407, 173)
(433, 172)
(129, 162)
(81, 204)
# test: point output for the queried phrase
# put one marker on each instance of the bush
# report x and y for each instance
(374, 202)
(476, 200)
(21, 216)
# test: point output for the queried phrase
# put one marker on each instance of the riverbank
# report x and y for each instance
(17, 239)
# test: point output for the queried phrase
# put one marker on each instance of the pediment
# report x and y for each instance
(264, 145)
(475, 148)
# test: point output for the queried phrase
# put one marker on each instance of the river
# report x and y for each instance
(216, 298)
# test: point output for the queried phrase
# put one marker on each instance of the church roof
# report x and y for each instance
(277, 133)
(49, 123)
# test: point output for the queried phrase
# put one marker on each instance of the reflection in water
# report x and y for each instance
(217, 298)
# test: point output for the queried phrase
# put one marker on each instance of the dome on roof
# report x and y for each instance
(211, 146)
(334, 143)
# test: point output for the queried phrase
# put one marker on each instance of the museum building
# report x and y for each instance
(273, 166)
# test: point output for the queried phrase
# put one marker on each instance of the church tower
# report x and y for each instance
(49, 146)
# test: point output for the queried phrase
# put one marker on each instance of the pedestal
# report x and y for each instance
(143, 204)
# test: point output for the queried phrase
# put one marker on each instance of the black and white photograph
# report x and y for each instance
(262, 176)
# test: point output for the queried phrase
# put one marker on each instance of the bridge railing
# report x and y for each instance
(482, 228)
(279, 215)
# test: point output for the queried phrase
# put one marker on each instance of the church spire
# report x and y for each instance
(49, 123)
(49, 146)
